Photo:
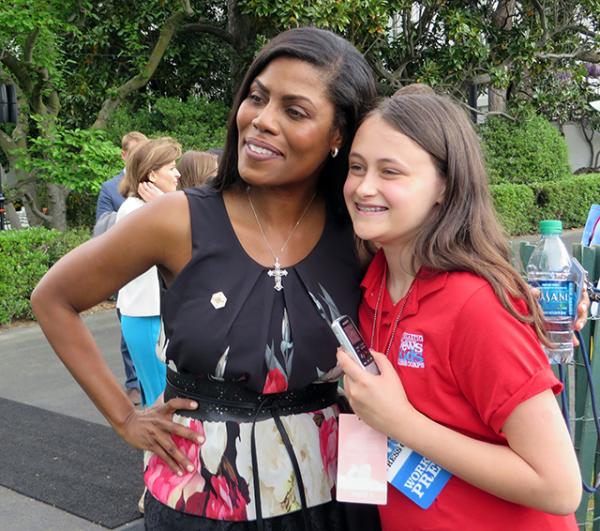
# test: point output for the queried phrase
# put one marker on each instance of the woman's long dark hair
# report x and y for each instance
(462, 234)
(351, 89)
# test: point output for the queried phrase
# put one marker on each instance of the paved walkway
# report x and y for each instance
(31, 373)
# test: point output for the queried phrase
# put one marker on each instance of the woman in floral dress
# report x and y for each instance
(256, 266)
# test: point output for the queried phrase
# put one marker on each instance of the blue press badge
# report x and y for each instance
(415, 476)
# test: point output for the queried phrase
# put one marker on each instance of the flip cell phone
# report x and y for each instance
(351, 341)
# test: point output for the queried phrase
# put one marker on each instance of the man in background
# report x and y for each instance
(109, 201)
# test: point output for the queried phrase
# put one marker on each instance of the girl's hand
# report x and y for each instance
(582, 311)
(149, 191)
(379, 400)
(152, 429)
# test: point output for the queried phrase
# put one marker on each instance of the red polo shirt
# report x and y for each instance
(465, 362)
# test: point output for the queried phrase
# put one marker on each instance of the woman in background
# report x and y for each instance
(153, 161)
(196, 167)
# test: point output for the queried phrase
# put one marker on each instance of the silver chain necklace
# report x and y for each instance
(277, 273)
(396, 321)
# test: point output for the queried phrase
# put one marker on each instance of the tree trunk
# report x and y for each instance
(243, 30)
(146, 72)
(57, 197)
(502, 19)
(496, 99)
(13, 217)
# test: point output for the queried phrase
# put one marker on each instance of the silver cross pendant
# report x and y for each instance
(278, 274)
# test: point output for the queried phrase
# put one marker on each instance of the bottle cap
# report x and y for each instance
(551, 226)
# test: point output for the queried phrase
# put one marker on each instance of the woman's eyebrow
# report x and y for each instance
(286, 97)
(261, 87)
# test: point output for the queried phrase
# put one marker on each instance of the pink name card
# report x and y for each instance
(362, 462)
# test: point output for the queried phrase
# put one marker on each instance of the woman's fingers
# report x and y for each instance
(180, 460)
(171, 407)
(166, 457)
(181, 431)
(179, 403)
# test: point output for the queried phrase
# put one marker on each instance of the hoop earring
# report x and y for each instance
(334, 152)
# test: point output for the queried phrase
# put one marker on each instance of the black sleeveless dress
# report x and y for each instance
(225, 322)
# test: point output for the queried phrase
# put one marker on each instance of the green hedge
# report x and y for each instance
(520, 207)
(568, 199)
(525, 151)
(25, 256)
(514, 205)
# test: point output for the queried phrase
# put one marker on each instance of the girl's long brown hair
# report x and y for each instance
(462, 233)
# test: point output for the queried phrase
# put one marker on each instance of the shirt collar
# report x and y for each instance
(427, 281)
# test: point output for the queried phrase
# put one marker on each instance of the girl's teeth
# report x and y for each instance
(371, 209)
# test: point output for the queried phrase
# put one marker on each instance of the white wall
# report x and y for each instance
(579, 149)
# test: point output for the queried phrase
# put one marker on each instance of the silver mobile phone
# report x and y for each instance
(351, 341)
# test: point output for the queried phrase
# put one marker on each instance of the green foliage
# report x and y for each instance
(111, 40)
(520, 207)
(352, 18)
(568, 199)
(81, 209)
(196, 123)
(525, 151)
(20, 18)
(79, 159)
(26, 256)
(515, 207)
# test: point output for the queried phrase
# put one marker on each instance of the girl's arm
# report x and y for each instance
(156, 234)
(538, 469)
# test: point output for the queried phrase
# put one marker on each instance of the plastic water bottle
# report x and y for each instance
(549, 269)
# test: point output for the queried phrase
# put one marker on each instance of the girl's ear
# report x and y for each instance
(151, 177)
(442, 194)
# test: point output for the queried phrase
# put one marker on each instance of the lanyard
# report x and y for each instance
(376, 327)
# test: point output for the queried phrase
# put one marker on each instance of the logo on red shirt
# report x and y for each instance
(411, 351)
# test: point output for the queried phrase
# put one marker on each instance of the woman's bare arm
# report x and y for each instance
(155, 234)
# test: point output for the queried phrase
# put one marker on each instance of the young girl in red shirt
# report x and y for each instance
(456, 332)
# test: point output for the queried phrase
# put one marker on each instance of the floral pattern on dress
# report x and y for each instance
(221, 486)
(329, 311)
(279, 373)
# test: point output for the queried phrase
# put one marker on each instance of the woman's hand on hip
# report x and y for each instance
(152, 429)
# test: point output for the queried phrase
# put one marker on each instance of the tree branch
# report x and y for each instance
(7, 144)
(29, 44)
(381, 71)
(13, 217)
(574, 27)
(584, 55)
(21, 129)
(203, 27)
(502, 17)
(487, 113)
(18, 71)
(23, 183)
(34, 208)
(169, 29)
(36, 100)
(543, 22)
(187, 8)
